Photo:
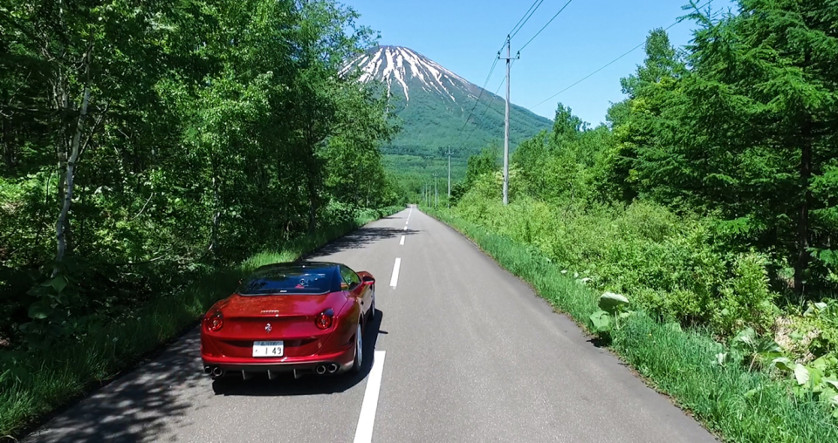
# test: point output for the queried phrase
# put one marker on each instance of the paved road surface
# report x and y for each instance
(461, 351)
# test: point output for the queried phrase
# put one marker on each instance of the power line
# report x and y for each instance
(522, 21)
(525, 18)
(593, 73)
(485, 109)
(545, 26)
(483, 114)
(485, 82)
(616, 59)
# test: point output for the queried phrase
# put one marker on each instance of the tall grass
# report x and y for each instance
(736, 404)
(34, 383)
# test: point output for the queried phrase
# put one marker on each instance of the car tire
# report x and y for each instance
(359, 350)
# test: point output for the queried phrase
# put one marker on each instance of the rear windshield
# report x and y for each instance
(302, 282)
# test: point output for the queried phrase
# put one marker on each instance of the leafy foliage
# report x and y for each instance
(748, 130)
(612, 309)
(143, 141)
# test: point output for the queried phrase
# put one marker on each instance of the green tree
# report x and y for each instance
(557, 166)
(478, 165)
(640, 121)
(755, 127)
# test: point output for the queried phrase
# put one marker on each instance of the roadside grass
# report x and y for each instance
(735, 404)
(34, 384)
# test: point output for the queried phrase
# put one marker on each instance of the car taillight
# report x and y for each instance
(324, 319)
(214, 321)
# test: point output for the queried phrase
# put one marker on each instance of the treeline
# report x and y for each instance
(711, 196)
(142, 139)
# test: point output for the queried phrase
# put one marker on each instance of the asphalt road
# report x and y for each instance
(462, 350)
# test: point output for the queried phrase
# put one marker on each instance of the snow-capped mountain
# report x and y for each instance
(403, 68)
(435, 108)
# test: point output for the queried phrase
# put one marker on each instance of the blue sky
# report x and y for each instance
(465, 35)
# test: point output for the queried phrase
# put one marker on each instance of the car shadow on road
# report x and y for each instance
(286, 385)
(360, 239)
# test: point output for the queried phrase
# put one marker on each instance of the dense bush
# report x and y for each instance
(666, 264)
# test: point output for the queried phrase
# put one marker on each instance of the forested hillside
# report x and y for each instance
(710, 198)
(142, 141)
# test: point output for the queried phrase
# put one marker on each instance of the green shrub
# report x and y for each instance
(667, 264)
(745, 299)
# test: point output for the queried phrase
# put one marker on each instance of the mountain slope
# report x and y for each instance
(433, 103)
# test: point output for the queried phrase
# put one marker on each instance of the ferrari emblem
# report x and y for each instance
(268, 327)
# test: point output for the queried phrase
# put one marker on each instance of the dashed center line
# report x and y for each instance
(366, 422)
(401, 242)
(394, 280)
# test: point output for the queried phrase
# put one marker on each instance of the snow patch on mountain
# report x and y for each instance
(401, 66)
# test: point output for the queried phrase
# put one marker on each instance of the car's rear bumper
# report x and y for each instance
(323, 363)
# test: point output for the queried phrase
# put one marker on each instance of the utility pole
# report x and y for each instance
(449, 176)
(436, 194)
(508, 59)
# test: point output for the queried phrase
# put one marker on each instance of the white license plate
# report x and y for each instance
(268, 348)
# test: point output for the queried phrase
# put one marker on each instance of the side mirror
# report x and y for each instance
(368, 279)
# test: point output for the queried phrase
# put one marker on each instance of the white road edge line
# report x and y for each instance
(395, 278)
(363, 432)
(401, 242)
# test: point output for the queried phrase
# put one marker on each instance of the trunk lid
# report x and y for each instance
(277, 317)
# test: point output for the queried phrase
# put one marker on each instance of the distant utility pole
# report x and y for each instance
(508, 59)
(449, 176)
(436, 194)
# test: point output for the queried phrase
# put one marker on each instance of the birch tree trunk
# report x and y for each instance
(802, 263)
(62, 225)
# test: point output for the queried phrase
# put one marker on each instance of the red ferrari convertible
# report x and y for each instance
(303, 318)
